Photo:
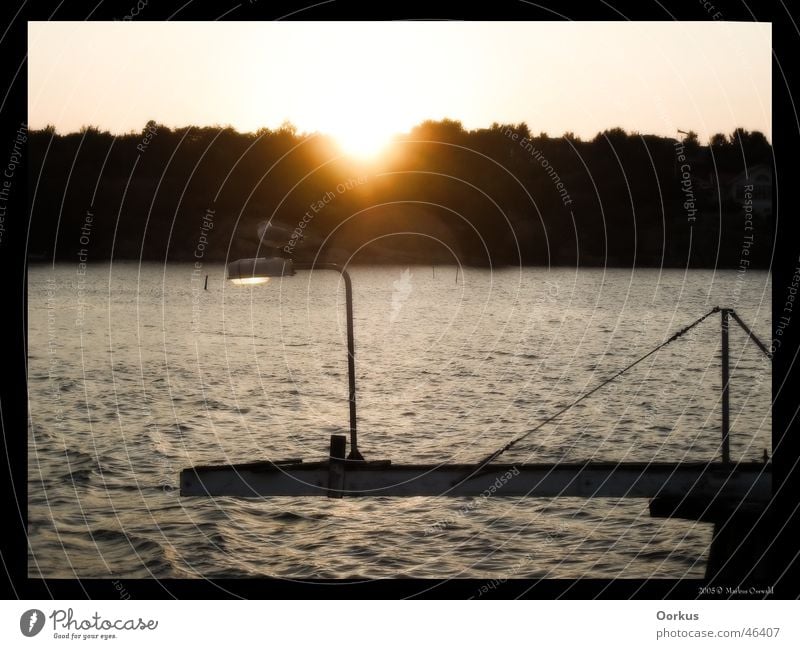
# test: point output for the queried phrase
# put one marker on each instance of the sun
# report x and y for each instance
(364, 141)
(362, 126)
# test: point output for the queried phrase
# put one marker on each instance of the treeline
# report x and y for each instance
(498, 195)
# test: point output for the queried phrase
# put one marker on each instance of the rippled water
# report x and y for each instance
(135, 372)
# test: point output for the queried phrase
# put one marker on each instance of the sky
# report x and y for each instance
(363, 82)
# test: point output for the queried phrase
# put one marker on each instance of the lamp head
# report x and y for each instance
(258, 270)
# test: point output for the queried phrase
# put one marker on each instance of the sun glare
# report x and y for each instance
(361, 133)
(362, 141)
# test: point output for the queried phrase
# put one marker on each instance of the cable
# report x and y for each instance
(493, 456)
(753, 337)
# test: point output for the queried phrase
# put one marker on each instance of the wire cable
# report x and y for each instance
(493, 456)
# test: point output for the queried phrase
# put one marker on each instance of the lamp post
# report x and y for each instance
(259, 270)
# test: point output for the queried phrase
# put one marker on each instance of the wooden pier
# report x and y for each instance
(708, 481)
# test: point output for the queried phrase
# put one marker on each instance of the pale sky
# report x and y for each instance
(362, 82)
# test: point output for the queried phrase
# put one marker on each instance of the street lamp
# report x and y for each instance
(259, 270)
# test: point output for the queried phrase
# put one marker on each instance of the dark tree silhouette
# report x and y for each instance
(497, 195)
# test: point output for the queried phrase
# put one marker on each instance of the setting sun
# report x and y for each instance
(364, 131)
(361, 141)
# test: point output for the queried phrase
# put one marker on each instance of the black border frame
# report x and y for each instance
(13, 397)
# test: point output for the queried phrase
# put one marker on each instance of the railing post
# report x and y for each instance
(726, 408)
(351, 367)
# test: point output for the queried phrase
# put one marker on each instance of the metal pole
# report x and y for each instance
(351, 367)
(351, 350)
(726, 444)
